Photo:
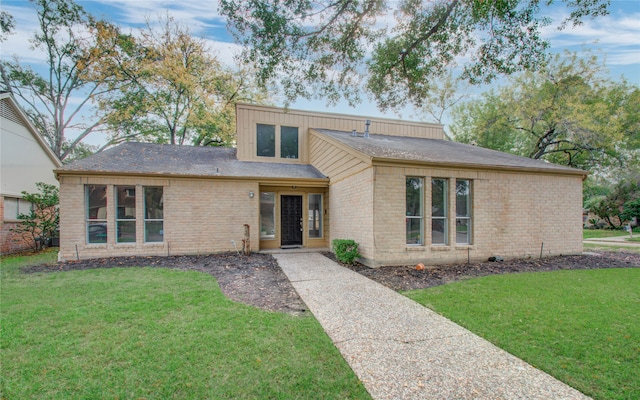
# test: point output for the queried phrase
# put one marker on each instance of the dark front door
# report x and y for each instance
(291, 220)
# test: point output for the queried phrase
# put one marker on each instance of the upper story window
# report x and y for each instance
(288, 142)
(266, 138)
(282, 142)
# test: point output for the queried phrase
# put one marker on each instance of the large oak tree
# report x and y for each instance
(331, 49)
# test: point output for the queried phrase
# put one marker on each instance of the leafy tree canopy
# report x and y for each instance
(325, 49)
(567, 113)
(172, 89)
(60, 100)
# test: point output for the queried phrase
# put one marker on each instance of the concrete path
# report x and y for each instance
(401, 350)
(613, 241)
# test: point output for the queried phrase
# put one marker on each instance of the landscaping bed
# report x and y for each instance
(257, 279)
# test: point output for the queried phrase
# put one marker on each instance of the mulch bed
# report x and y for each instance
(257, 279)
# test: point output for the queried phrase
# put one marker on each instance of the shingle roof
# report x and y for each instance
(436, 151)
(163, 159)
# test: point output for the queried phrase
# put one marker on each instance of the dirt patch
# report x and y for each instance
(408, 278)
(257, 279)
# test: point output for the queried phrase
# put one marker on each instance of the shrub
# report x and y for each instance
(41, 223)
(346, 250)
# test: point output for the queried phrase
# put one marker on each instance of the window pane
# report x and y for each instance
(126, 231)
(267, 215)
(153, 231)
(439, 198)
(414, 199)
(96, 202)
(414, 196)
(96, 211)
(97, 232)
(315, 215)
(288, 142)
(153, 203)
(439, 231)
(462, 198)
(266, 138)
(414, 230)
(153, 214)
(10, 208)
(463, 231)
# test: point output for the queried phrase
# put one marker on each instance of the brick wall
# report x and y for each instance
(351, 203)
(10, 242)
(200, 216)
(513, 215)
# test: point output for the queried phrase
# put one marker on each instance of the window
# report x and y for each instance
(439, 211)
(288, 142)
(463, 211)
(315, 216)
(14, 206)
(125, 214)
(282, 143)
(414, 214)
(266, 138)
(267, 215)
(153, 214)
(96, 211)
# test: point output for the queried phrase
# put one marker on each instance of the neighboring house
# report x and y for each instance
(302, 179)
(25, 159)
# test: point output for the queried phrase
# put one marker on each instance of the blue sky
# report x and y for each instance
(616, 37)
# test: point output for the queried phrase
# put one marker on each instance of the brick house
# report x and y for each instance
(302, 179)
(25, 159)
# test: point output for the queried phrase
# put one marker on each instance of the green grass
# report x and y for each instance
(579, 326)
(155, 334)
(603, 233)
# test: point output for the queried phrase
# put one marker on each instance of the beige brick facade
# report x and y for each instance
(520, 209)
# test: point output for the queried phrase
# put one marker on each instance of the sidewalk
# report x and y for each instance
(613, 241)
(401, 350)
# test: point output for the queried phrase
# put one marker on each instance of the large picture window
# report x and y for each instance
(463, 211)
(439, 211)
(153, 214)
(125, 214)
(267, 215)
(414, 210)
(288, 142)
(96, 212)
(266, 139)
(315, 216)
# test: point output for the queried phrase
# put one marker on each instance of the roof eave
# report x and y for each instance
(402, 162)
(270, 180)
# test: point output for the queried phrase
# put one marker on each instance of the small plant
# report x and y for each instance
(346, 250)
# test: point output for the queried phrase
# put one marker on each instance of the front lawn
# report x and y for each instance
(604, 233)
(580, 326)
(136, 333)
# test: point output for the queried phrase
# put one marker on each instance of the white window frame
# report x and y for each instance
(469, 217)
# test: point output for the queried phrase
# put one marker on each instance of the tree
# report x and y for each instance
(172, 90)
(41, 224)
(325, 48)
(7, 24)
(620, 202)
(566, 113)
(60, 101)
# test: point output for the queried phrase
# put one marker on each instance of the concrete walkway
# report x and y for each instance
(401, 350)
(613, 241)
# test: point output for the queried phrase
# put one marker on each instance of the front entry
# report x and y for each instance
(291, 220)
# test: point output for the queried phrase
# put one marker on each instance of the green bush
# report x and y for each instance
(346, 250)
